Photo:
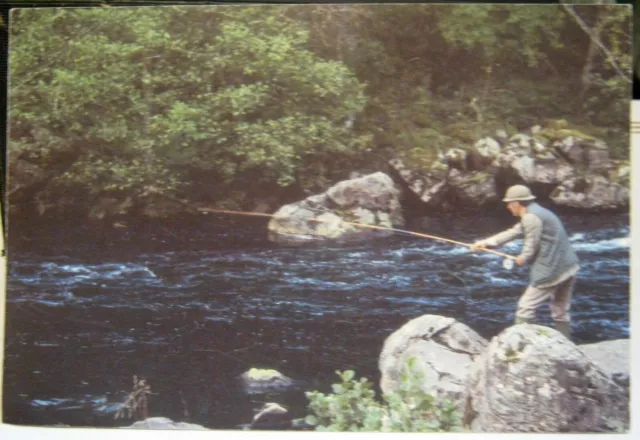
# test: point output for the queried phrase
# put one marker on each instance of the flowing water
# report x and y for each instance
(192, 309)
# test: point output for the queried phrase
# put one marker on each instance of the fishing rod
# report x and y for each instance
(507, 263)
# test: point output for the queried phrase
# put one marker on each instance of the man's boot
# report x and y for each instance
(521, 320)
(563, 327)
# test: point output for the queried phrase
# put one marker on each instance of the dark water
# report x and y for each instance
(191, 309)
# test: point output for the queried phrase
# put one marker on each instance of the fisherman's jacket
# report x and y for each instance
(555, 254)
(546, 246)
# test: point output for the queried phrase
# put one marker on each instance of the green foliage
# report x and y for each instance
(353, 407)
(503, 33)
(229, 104)
(150, 96)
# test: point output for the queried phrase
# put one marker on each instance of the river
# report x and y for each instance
(191, 307)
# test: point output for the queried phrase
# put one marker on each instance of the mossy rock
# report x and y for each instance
(262, 374)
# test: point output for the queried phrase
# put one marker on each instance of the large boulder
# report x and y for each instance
(528, 159)
(443, 349)
(591, 193)
(371, 200)
(533, 379)
(613, 357)
(258, 381)
(165, 423)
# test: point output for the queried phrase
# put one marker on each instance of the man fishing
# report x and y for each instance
(554, 263)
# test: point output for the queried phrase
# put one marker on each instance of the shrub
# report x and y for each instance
(353, 407)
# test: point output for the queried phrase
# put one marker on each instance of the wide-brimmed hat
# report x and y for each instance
(518, 193)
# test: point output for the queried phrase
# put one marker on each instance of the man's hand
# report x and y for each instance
(520, 261)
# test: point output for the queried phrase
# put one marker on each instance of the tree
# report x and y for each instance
(149, 101)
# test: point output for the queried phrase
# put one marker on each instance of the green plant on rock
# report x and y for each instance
(353, 407)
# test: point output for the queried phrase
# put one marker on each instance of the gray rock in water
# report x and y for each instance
(443, 349)
(591, 193)
(613, 357)
(533, 379)
(271, 416)
(371, 200)
(257, 381)
(165, 423)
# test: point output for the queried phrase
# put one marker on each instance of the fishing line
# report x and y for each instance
(507, 263)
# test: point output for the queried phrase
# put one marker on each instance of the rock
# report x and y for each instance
(271, 416)
(474, 189)
(532, 379)
(257, 381)
(484, 153)
(369, 200)
(165, 423)
(502, 135)
(429, 187)
(588, 153)
(527, 159)
(551, 159)
(443, 349)
(523, 141)
(620, 173)
(456, 158)
(613, 357)
(591, 193)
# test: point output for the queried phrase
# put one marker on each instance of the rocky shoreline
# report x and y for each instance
(528, 378)
(563, 167)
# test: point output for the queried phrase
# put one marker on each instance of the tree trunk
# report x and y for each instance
(586, 77)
